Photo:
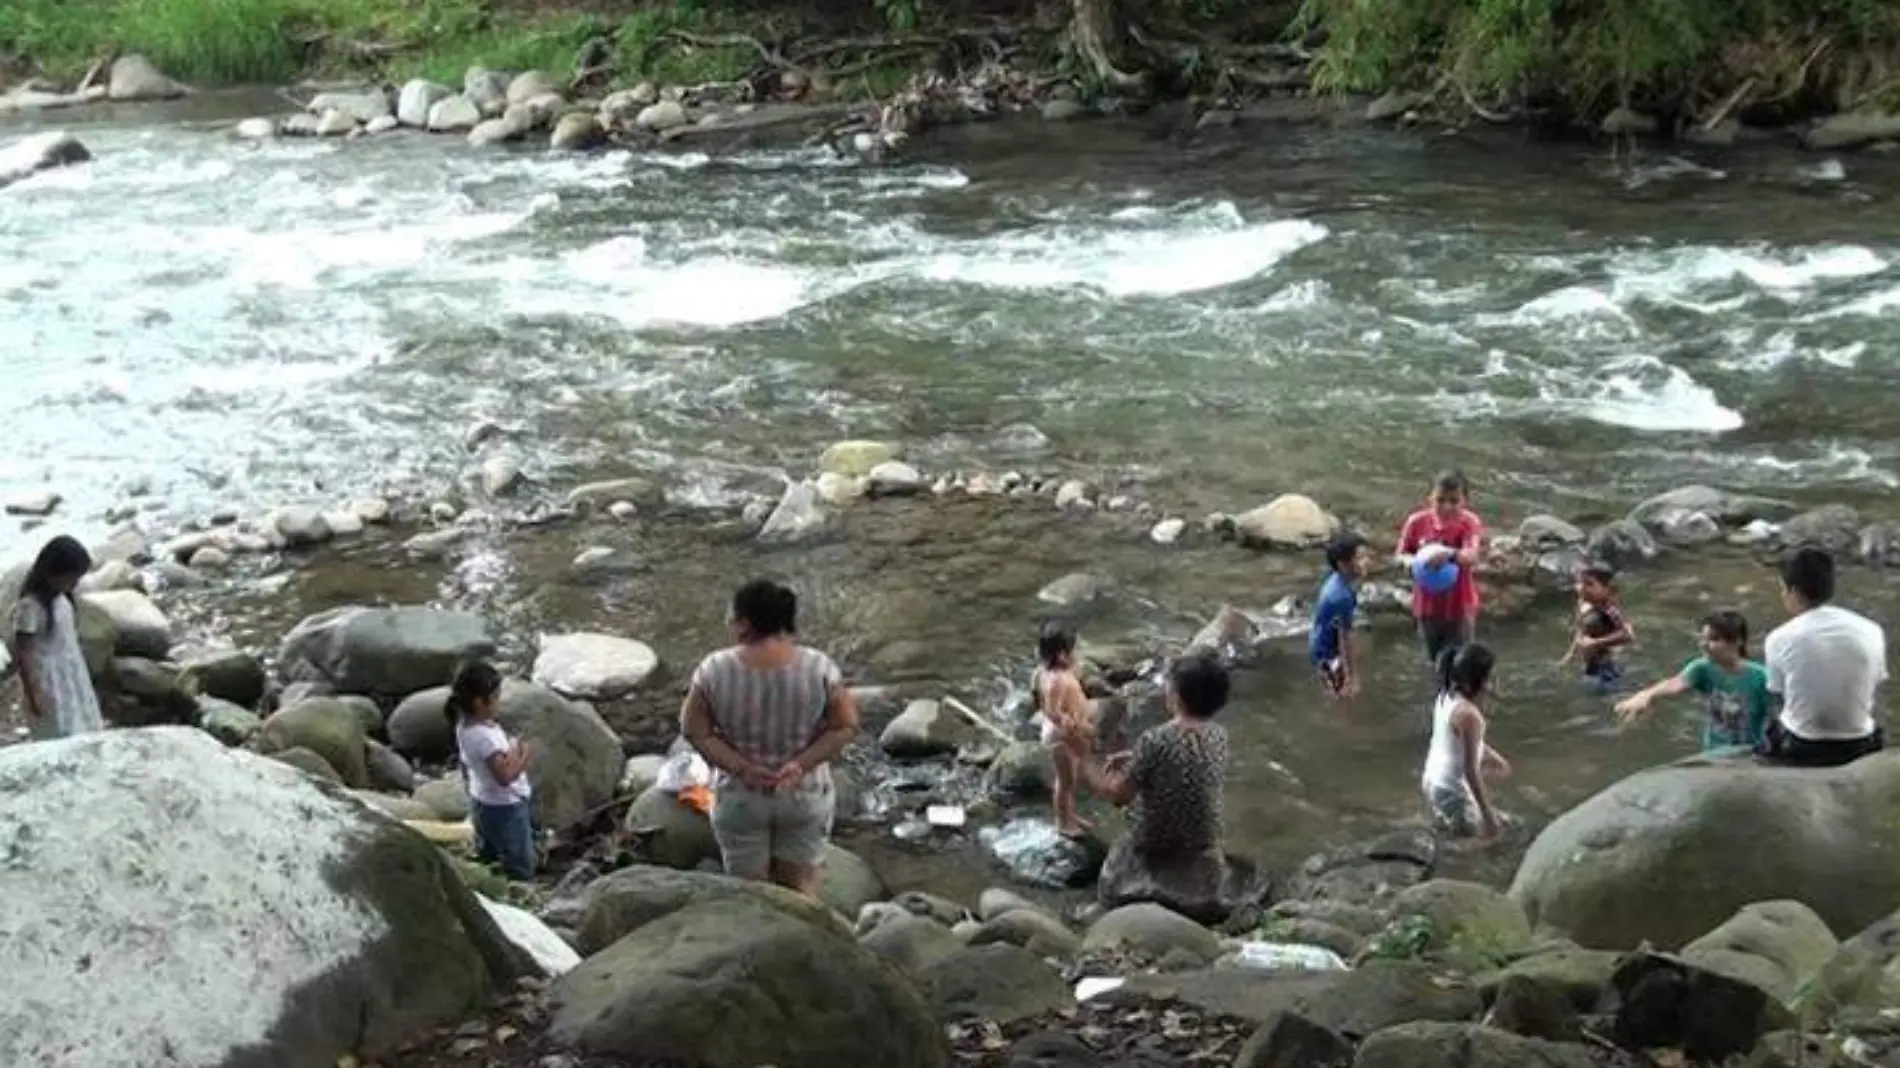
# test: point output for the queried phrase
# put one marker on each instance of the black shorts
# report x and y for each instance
(1442, 634)
(1782, 747)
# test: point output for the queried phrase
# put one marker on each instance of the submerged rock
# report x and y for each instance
(799, 515)
(40, 152)
(207, 906)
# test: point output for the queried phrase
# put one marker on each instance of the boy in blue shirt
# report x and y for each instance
(1736, 704)
(1330, 642)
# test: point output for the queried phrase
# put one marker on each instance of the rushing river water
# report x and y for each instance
(1202, 325)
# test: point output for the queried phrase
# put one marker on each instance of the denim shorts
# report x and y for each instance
(754, 829)
(504, 837)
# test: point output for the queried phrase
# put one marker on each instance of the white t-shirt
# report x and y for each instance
(476, 742)
(1826, 663)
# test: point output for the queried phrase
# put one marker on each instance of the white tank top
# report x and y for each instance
(1445, 760)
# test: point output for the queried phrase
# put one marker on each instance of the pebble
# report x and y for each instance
(443, 512)
(1119, 503)
(1168, 531)
(434, 543)
(625, 511)
(256, 130)
(210, 558)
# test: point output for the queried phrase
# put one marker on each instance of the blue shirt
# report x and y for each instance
(1338, 603)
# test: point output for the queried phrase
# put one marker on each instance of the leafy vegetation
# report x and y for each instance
(1407, 938)
(1686, 56)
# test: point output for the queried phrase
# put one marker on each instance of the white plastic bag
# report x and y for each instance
(683, 771)
(1287, 957)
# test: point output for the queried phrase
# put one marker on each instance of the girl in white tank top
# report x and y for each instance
(1455, 791)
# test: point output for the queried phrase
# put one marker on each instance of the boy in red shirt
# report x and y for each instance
(1448, 620)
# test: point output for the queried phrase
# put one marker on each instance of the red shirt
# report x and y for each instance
(1462, 531)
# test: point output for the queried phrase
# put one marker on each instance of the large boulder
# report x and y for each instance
(39, 152)
(359, 106)
(325, 726)
(856, 459)
(1151, 930)
(799, 515)
(1834, 527)
(1669, 853)
(417, 98)
(225, 673)
(453, 114)
(593, 667)
(389, 652)
(622, 902)
(133, 77)
(997, 982)
(1728, 509)
(141, 629)
(577, 762)
(170, 901)
(1289, 520)
(670, 834)
(1468, 925)
(739, 982)
(1354, 1003)
(925, 729)
(848, 882)
(1206, 888)
(911, 944)
(1455, 1045)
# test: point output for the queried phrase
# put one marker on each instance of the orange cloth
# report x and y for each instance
(697, 798)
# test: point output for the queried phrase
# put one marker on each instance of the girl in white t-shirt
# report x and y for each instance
(1459, 762)
(496, 770)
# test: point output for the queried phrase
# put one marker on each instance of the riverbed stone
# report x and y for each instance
(334, 123)
(1472, 927)
(998, 900)
(227, 722)
(686, 988)
(1852, 129)
(1863, 975)
(133, 77)
(1367, 874)
(1354, 1003)
(799, 515)
(895, 478)
(1464, 1045)
(667, 833)
(495, 132)
(501, 475)
(531, 84)
(1548, 532)
(138, 627)
(298, 526)
(387, 771)
(848, 882)
(1728, 509)
(417, 98)
(1288, 521)
(627, 899)
(924, 729)
(1153, 930)
(264, 880)
(996, 982)
(38, 503)
(535, 113)
(1024, 771)
(445, 798)
(1035, 853)
(856, 459)
(1032, 929)
(326, 727)
(453, 114)
(839, 490)
(1834, 527)
(1667, 854)
(1578, 974)
(577, 763)
(593, 667)
(39, 152)
(1207, 887)
(577, 131)
(255, 129)
(1685, 529)
(1074, 590)
(660, 117)
(1621, 543)
(387, 652)
(488, 89)
(1291, 1040)
(910, 943)
(146, 693)
(364, 105)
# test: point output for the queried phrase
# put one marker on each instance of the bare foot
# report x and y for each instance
(1076, 828)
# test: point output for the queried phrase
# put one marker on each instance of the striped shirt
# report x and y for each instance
(770, 715)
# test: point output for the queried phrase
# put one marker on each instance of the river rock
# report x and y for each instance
(1685, 529)
(299, 526)
(535, 113)
(301, 124)
(620, 109)
(1728, 509)
(488, 89)
(39, 152)
(335, 124)
(1354, 1003)
(856, 459)
(453, 114)
(660, 117)
(593, 667)
(139, 628)
(577, 131)
(630, 898)
(41, 503)
(1290, 520)
(1231, 634)
(133, 77)
(669, 834)
(228, 723)
(848, 882)
(210, 558)
(1472, 927)
(1367, 874)
(1863, 974)
(799, 515)
(501, 475)
(1524, 1006)
(1621, 543)
(895, 478)
(1627, 122)
(1035, 853)
(839, 490)
(1168, 531)
(1073, 494)
(1725, 990)
(388, 771)
(309, 763)
(1025, 771)
(205, 906)
(1852, 129)
(417, 99)
(577, 766)
(1667, 854)
(255, 129)
(1548, 532)
(1207, 888)
(381, 125)
(996, 982)
(326, 727)
(910, 943)
(359, 106)
(1463, 1045)
(551, 957)
(924, 729)
(1032, 929)
(387, 652)
(1290, 1040)
(1070, 591)
(683, 988)
(146, 693)
(1152, 930)
(495, 132)
(1834, 527)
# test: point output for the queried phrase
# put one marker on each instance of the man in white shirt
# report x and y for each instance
(1825, 664)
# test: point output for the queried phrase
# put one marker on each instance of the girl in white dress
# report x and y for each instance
(60, 701)
(1459, 762)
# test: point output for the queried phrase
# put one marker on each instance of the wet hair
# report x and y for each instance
(1056, 641)
(1201, 683)
(476, 680)
(768, 609)
(1341, 550)
(59, 558)
(1452, 480)
(1730, 626)
(1466, 670)
(1809, 572)
(1597, 571)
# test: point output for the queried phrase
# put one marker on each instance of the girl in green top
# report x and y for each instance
(1734, 689)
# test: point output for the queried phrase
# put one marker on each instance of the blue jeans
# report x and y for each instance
(1603, 677)
(504, 836)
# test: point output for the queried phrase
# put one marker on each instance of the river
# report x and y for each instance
(195, 323)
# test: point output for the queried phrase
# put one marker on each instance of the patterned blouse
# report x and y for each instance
(1178, 772)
